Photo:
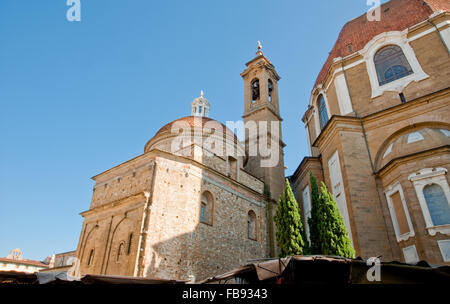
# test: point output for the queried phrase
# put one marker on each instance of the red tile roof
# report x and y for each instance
(194, 121)
(396, 15)
(23, 262)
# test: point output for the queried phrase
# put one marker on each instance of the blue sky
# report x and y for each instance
(78, 98)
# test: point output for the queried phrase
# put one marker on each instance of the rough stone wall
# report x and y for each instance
(273, 176)
(122, 181)
(103, 231)
(115, 213)
(179, 245)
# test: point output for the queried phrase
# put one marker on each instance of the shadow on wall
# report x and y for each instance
(215, 234)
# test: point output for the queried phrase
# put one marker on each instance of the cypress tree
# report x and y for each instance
(290, 230)
(314, 220)
(334, 239)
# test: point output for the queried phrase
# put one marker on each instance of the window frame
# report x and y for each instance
(207, 216)
(443, 253)
(270, 89)
(319, 96)
(378, 65)
(255, 233)
(426, 177)
(434, 220)
(253, 100)
(232, 167)
(391, 190)
(380, 41)
(412, 249)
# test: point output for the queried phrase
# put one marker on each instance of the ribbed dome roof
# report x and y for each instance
(396, 15)
(195, 123)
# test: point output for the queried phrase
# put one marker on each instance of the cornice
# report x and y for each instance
(336, 119)
(116, 204)
(431, 97)
(260, 108)
(303, 164)
(398, 161)
(333, 126)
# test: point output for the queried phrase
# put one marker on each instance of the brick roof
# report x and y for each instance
(396, 15)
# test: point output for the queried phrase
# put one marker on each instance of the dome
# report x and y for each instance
(198, 125)
(411, 142)
(397, 15)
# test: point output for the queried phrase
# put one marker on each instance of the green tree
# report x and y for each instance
(314, 220)
(290, 231)
(334, 239)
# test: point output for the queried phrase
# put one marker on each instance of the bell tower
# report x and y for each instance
(262, 110)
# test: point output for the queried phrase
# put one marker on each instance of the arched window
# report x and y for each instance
(322, 111)
(251, 225)
(437, 204)
(255, 90)
(206, 208)
(91, 257)
(391, 64)
(270, 89)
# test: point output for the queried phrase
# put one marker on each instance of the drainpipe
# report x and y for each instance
(440, 34)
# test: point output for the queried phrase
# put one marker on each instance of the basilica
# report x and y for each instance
(195, 203)
(198, 202)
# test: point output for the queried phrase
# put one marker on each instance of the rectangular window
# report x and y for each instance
(444, 246)
(398, 210)
(202, 213)
(337, 186)
(232, 167)
(400, 213)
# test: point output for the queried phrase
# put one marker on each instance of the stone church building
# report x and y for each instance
(194, 204)
(378, 130)
(198, 202)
